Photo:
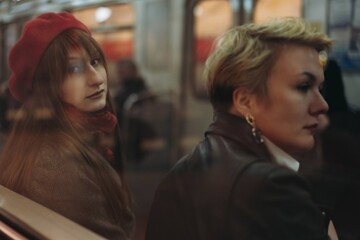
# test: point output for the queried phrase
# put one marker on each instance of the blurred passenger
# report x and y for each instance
(336, 180)
(334, 90)
(130, 83)
(134, 130)
(344, 122)
(241, 181)
(147, 135)
(64, 150)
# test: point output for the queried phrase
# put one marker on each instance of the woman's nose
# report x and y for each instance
(319, 105)
(94, 78)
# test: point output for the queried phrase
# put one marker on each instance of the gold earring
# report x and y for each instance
(323, 58)
(256, 133)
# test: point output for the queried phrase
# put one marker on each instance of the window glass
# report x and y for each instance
(211, 19)
(266, 9)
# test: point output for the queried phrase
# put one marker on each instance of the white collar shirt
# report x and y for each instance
(281, 157)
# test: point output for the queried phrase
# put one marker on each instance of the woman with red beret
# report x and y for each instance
(64, 148)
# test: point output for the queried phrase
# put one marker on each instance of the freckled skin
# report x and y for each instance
(291, 114)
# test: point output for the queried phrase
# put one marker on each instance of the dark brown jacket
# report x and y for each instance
(229, 188)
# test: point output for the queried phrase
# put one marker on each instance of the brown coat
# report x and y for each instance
(66, 184)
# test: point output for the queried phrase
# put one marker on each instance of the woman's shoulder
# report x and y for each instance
(269, 170)
(54, 155)
(262, 178)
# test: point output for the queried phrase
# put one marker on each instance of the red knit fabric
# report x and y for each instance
(37, 34)
(103, 120)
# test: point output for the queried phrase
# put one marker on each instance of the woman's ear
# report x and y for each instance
(242, 101)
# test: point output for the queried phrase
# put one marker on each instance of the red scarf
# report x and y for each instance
(101, 121)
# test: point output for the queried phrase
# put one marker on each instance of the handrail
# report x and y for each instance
(35, 221)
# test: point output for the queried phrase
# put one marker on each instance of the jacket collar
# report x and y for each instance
(238, 130)
(281, 157)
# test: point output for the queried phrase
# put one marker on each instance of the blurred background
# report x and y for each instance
(164, 44)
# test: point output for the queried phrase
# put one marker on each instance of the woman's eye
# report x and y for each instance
(304, 87)
(76, 68)
(95, 61)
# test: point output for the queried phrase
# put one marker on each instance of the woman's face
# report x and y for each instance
(86, 84)
(291, 114)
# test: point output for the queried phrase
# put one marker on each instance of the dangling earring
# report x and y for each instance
(255, 132)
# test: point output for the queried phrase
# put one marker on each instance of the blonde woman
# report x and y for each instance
(241, 181)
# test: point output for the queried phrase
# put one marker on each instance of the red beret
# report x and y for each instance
(24, 57)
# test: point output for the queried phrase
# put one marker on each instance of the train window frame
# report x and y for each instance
(157, 13)
(24, 5)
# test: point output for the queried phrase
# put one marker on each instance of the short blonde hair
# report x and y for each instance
(243, 56)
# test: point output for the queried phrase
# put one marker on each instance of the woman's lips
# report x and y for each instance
(96, 94)
(312, 128)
